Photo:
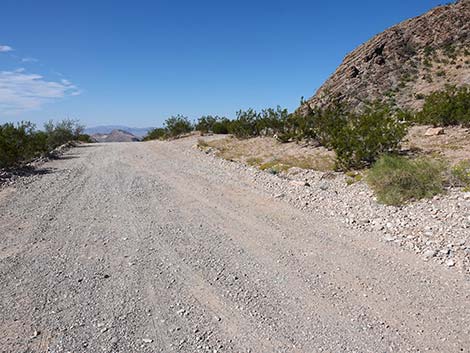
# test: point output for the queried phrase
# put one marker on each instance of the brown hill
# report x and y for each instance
(406, 61)
(115, 136)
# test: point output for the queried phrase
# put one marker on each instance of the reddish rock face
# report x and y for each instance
(406, 61)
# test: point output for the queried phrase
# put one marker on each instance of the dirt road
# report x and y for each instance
(146, 247)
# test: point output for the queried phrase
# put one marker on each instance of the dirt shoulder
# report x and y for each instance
(435, 229)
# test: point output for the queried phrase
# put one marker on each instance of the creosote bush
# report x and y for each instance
(448, 107)
(396, 180)
(156, 134)
(359, 139)
(21, 142)
(214, 124)
(62, 132)
(178, 125)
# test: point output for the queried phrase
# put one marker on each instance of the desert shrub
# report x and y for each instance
(460, 174)
(84, 138)
(178, 125)
(21, 142)
(61, 132)
(297, 127)
(206, 123)
(18, 143)
(396, 180)
(158, 133)
(250, 123)
(447, 107)
(271, 121)
(360, 138)
(245, 125)
(215, 124)
(221, 126)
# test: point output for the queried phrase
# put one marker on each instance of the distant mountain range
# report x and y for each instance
(115, 136)
(107, 129)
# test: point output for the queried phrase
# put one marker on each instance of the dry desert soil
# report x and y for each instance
(154, 247)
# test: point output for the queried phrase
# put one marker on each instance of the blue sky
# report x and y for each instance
(138, 62)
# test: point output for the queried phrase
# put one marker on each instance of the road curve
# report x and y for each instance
(152, 247)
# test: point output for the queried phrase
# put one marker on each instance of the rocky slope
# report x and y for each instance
(405, 62)
(115, 136)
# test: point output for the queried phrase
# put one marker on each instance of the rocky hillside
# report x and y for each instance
(115, 136)
(405, 62)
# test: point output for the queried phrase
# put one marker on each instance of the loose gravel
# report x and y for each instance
(158, 247)
(436, 229)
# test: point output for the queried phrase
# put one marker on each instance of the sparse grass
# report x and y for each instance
(258, 152)
(353, 177)
(460, 174)
(397, 180)
(447, 146)
(201, 143)
(254, 161)
(274, 167)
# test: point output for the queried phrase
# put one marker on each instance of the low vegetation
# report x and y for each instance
(19, 143)
(156, 134)
(173, 127)
(396, 180)
(371, 137)
(360, 138)
(460, 175)
(448, 107)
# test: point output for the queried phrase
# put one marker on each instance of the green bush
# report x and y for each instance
(448, 107)
(244, 125)
(215, 124)
(250, 123)
(206, 123)
(22, 142)
(178, 125)
(221, 126)
(62, 132)
(84, 138)
(18, 143)
(271, 121)
(359, 139)
(396, 180)
(156, 134)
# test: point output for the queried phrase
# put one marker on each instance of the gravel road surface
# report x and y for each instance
(153, 247)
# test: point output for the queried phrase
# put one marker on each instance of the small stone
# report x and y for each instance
(429, 253)
(278, 196)
(434, 131)
(323, 186)
(147, 340)
(450, 263)
(378, 227)
(298, 183)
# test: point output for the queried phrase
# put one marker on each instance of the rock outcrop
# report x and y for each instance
(405, 62)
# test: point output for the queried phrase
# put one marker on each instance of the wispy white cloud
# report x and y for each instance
(21, 91)
(29, 60)
(5, 48)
